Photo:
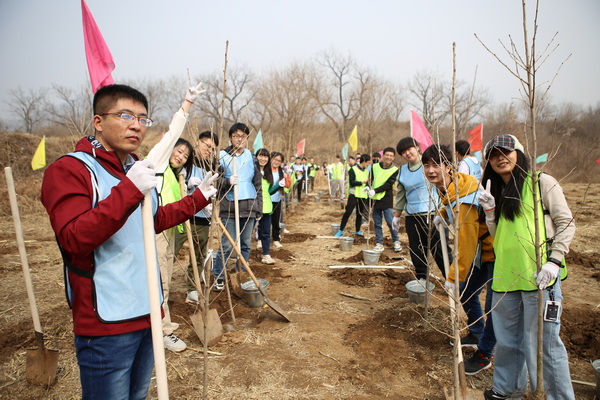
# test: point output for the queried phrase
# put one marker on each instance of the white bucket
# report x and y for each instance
(416, 291)
(371, 257)
(346, 243)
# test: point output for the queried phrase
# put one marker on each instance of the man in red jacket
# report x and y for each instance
(93, 198)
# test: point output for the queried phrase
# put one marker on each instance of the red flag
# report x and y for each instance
(476, 138)
(99, 60)
(419, 132)
(300, 147)
(598, 161)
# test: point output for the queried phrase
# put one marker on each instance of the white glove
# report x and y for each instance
(366, 189)
(206, 186)
(438, 222)
(485, 198)
(193, 92)
(396, 223)
(193, 182)
(450, 287)
(281, 183)
(143, 175)
(209, 208)
(547, 274)
(371, 192)
(234, 180)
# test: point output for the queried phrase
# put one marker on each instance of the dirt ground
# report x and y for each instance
(373, 346)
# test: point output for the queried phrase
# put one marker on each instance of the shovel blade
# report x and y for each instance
(276, 308)
(40, 366)
(236, 284)
(214, 327)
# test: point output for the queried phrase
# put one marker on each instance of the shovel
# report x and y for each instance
(209, 330)
(241, 258)
(41, 363)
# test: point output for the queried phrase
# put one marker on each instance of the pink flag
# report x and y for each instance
(419, 132)
(300, 147)
(99, 60)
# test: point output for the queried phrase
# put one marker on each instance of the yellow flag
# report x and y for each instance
(353, 139)
(39, 157)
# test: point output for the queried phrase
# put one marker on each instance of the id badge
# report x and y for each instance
(552, 311)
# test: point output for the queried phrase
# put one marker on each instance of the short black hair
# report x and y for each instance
(376, 155)
(438, 153)
(463, 147)
(239, 126)
(108, 95)
(209, 135)
(389, 150)
(364, 157)
(405, 144)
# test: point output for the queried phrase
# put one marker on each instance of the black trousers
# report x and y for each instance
(361, 209)
(275, 220)
(417, 230)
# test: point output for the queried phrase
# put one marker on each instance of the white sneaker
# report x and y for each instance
(219, 285)
(192, 297)
(397, 246)
(378, 247)
(285, 231)
(267, 259)
(259, 245)
(277, 244)
(175, 326)
(173, 343)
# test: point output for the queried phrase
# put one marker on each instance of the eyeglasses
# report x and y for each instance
(236, 136)
(130, 118)
(207, 144)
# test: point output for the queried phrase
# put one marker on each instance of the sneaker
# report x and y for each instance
(173, 343)
(267, 259)
(277, 244)
(397, 246)
(467, 341)
(477, 363)
(338, 233)
(359, 233)
(490, 394)
(219, 285)
(378, 247)
(192, 297)
(285, 231)
(259, 245)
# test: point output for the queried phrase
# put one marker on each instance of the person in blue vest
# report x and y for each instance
(383, 178)
(204, 162)
(358, 178)
(248, 180)
(508, 202)
(467, 164)
(475, 261)
(276, 197)
(93, 197)
(419, 199)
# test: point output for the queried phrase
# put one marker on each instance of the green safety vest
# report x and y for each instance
(361, 175)
(267, 203)
(313, 171)
(170, 191)
(380, 176)
(337, 171)
(514, 249)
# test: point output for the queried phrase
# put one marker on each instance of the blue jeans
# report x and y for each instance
(515, 326)
(246, 227)
(117, 367)
(378, 215)
(470, 289)
(264, 233)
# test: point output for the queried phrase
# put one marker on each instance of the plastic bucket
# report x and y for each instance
(346, 243)
(335, 228)
(416, 291)
(596, 365)
(251, 294)
(371, 257)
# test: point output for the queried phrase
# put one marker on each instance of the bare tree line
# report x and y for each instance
(321, 99)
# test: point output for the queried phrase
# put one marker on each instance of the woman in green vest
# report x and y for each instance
(358, 178)
(508, 204)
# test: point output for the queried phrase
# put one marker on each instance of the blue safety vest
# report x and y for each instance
(245, 172)
(419, 199)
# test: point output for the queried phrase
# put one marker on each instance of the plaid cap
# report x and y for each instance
(506, 142)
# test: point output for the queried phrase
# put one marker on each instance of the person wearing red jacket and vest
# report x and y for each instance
(93, 197)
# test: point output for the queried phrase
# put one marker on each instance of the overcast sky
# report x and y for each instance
(41, 41)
